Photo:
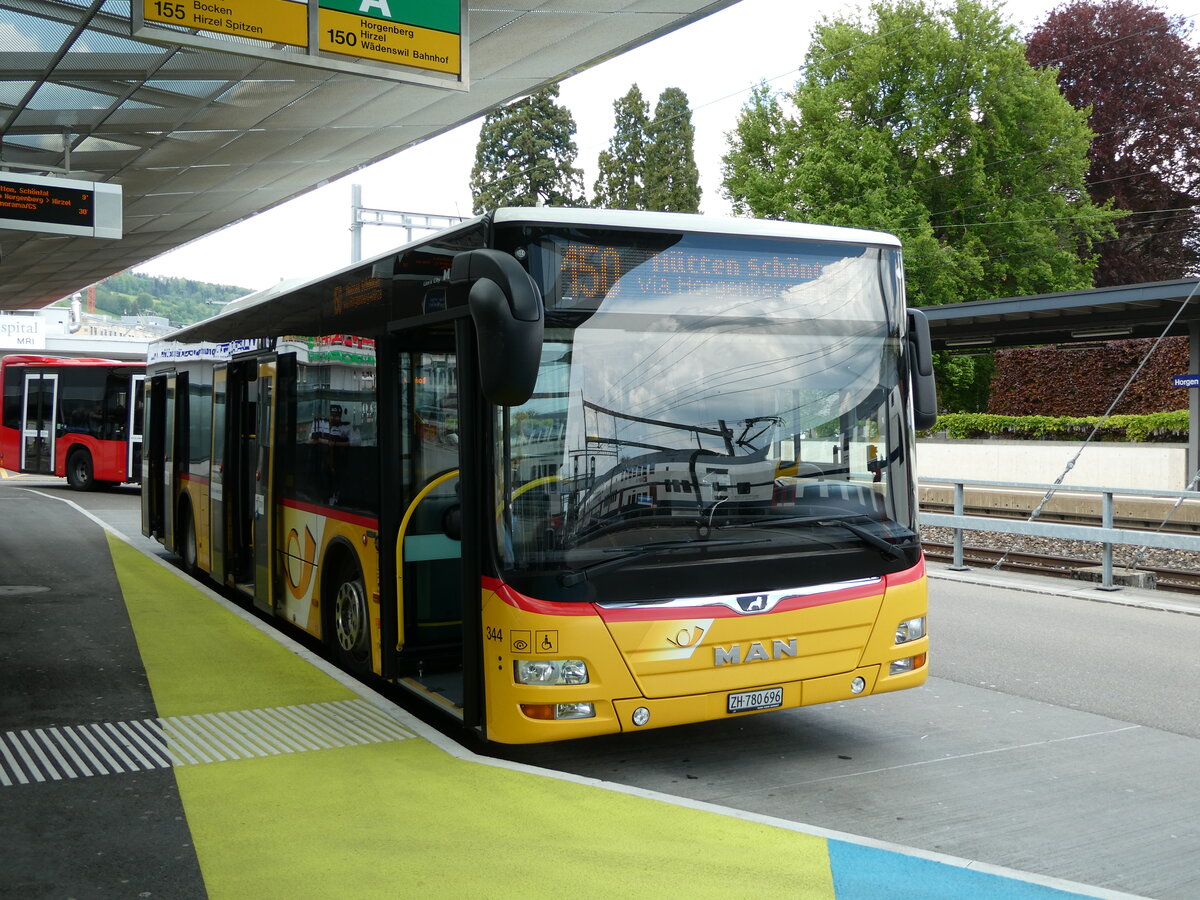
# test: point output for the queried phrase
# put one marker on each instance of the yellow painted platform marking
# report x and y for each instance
(202, 658)
(404, 818)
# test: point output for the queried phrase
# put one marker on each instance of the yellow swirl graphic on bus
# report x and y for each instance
(299, 581)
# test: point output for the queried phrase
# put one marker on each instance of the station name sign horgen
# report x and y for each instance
(381, 38)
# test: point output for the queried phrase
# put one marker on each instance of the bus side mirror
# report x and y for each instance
(506, 307)
(920, 358)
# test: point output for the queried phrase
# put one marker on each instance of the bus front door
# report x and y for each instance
(38, 422)
(428, 549)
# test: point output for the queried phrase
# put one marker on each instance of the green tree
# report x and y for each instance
(758, 167)
(672, 179)
(620, 184)
(928, 122)
(1130, 66)
(526, 156)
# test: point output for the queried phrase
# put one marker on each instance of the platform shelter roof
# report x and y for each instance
(199, 139)
(1071, 317)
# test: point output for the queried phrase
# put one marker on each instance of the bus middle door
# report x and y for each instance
(261, 456)
(246, 478)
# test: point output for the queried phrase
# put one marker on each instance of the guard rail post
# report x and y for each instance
(959, 506)
(1106, 583)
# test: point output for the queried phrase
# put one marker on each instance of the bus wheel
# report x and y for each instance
(352, 623)
(187, 544)
(79, 471)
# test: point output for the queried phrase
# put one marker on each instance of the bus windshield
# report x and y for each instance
(703, 398)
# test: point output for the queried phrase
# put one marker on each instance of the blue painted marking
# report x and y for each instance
(866, 873)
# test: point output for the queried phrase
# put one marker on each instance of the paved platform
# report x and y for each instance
(158, 741)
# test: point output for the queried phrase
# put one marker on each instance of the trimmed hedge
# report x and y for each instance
(1082, 381)
(1166, 427)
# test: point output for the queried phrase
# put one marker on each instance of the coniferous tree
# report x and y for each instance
(672, 178)
(621, 182)
(526, 156)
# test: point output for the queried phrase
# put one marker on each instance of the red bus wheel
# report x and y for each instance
(79, 471)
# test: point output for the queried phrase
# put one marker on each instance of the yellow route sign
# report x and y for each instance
(368, 37)
(414, 41)
(276, 21)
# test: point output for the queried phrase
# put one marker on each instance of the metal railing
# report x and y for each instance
(1105, 533)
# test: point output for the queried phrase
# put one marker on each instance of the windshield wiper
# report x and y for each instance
(867, 537)
(637, 551)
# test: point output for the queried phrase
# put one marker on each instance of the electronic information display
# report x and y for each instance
(60, 206)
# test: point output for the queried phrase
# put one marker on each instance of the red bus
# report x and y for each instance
(75, 418)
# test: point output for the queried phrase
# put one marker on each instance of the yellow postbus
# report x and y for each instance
(568, 472)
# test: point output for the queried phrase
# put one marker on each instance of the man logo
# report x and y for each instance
(753, 602)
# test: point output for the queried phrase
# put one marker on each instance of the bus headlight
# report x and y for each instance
(900, 666)
(550, 671)
(559, 710)
(910, 630)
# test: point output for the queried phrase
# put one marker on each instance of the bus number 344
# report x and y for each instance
(494, 634)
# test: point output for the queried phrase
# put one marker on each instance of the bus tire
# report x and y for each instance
(80, 474)
(351, 621)
(187, 544)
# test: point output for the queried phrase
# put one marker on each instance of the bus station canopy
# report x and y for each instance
(199, 139)
(1147, 310)
(1072, 317)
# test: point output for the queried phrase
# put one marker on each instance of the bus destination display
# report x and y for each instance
(591, 272)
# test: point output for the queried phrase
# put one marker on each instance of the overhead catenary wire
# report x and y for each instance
(1037, 511)
(1140, 556)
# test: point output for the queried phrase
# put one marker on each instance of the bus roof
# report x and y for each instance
(691, 223)
(28, 359)
(295, 307)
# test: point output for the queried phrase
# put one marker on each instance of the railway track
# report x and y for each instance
(1167, 579)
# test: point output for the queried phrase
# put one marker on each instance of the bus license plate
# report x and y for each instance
(747, 701)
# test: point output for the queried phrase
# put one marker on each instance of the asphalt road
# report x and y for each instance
(1056, 735)
(1137, 665)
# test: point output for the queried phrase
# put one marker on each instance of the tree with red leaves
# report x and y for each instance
(1132, 64)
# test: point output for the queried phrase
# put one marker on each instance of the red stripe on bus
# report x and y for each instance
(520, 601)
(330, 513)
(908, 576)
(718, 610)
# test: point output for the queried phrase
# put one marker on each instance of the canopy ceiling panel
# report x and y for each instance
(199, 139)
